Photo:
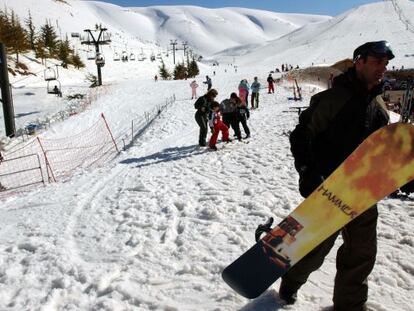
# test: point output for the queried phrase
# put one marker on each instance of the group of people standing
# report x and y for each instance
(220, 117)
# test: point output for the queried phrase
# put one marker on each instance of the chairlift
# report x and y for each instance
(75, 34)
(50, 74)
(54, 87)
(140, 57)
(91, 55)
(124, 56)
(132, 56)
(100, 60)
(116, 57)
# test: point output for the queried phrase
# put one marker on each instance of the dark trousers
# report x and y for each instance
(202, 120)
(243, 122)
(254, 98)
(230, 119)
(355, 260)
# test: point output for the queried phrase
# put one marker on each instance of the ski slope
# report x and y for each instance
(153, 229)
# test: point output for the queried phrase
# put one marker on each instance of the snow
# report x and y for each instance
(154, 228)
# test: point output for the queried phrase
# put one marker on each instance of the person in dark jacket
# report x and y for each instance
(243, 115)
(270, 84)
(202, 105)
(228, 108)
(208, 82)
(338, 120)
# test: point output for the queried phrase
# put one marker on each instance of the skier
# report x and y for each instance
(194, 87)
(208, 82)
(228, 108)
(255, 93)
(202, 105)
(270, 82)
(217, 126)
(155, 78)
(338, 120)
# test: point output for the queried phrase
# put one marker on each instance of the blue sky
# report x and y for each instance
(327, 7)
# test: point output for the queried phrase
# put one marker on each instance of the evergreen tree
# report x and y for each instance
(76, 61)
(40, 50)
(180, 71)
(193, 68)
(64, 52)
(16, 39)
(5, 27)
(31, 31)
(164, 73)
(49, 37)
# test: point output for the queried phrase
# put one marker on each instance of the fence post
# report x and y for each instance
(110, 133)
(46, 161)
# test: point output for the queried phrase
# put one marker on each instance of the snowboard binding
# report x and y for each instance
(263, 228)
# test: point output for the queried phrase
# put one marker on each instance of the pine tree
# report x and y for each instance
(164, 73)
(16, 39)
(40, 50)
(64, 52)
(5, 27)
(180, 71)
(49, 37)
(193, 68)
(31, 31)
(76, 61)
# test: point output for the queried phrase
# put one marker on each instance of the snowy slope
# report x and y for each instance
(328, 41)
(154, 229)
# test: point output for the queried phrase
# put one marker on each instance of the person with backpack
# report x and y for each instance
(336, 122)
(270, 84)
(243, 115)
(228, 108)
(202, 105)
(217, 126)
(255, 93)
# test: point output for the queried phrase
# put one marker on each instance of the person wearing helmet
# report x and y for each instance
(336, 122)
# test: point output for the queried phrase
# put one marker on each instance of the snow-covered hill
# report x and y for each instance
(206, 30)
(328, 41)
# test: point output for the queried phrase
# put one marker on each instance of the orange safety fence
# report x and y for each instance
(42, 160)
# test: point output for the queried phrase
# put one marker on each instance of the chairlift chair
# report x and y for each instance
(116, 57)
(50, 74)
(124, 56)
(54, 87)
(100, 60)
(159, 56)
(132, 56)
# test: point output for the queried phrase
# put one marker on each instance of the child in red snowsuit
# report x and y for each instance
(216, 124)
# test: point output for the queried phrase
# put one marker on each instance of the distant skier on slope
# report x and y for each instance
(208, 82)
(336, 122)
(270, 84)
